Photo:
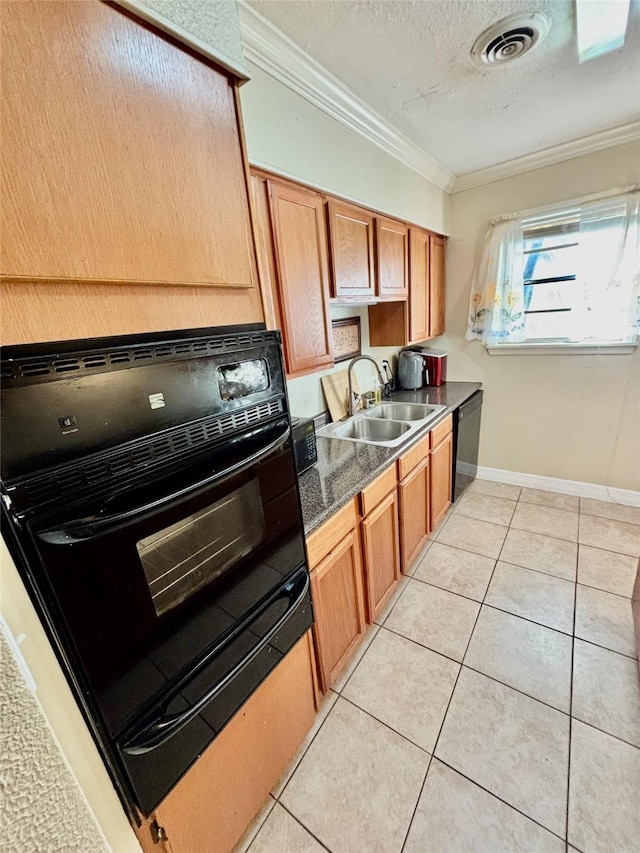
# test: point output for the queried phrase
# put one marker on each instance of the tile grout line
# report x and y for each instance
(306, 828)
(386, 725)
(573, 651)
(257, 829)
(444, 717)
(499, 798)
(298, 763)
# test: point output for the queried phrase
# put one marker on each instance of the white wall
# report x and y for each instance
(575, 417)
(63, 715)
(287, 134)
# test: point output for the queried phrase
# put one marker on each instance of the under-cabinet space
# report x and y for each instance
(351, 242)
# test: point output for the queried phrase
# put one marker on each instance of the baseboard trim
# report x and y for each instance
(567, 487)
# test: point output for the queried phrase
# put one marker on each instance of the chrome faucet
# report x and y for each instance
(383, 381)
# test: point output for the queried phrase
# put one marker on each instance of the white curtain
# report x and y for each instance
(496, 306)
(608, 298)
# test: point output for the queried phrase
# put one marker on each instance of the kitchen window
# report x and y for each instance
(560, 277)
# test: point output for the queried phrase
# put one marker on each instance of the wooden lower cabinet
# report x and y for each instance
(336, 587)
(381, 554)
(415, 523)
(441, 472)
(212, 805)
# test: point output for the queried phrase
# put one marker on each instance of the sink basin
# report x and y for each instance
(387, 425)
(368, 429)
(403, 411)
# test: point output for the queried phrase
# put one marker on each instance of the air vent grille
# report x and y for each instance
(95, 473)
(28, 370)
(510, 38)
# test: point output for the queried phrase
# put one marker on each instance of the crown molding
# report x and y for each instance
(549, 156)
(273, 52)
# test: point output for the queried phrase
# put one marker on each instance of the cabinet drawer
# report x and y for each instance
(413, 457)
(440, 432)
(379, 489)
(328, 535)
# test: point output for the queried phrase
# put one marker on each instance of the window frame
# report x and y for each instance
(558, 220)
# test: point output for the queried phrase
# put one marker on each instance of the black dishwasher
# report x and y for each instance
(466, 438)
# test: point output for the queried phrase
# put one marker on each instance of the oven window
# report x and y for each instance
(181, 559)
(243, 378)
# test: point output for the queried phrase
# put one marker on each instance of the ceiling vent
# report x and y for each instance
(510, 38)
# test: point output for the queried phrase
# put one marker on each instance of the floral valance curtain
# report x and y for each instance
(496, 307)
(603, 303)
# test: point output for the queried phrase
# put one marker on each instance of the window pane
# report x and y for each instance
(548, 241)
(552, 263)
(548, 297)
(548, 325)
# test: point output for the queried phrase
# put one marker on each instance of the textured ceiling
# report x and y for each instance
(410, 61)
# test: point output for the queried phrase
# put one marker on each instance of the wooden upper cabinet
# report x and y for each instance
(300, 245)
(121, 153)
(419, 271)
(438, 246)
(392, 238)
(351, 251)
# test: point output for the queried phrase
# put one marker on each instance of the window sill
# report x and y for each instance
(589, 348)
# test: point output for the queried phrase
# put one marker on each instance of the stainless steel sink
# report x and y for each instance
(368, 429)
(403, 411)
(388, 425)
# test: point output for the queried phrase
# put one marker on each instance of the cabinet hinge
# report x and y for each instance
(158, 833)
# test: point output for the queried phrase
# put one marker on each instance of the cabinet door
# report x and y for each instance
(300, 243)
(212, 805)
(380, 536)
(121, 154)
(351, 245)
(392, 258)
(437, 284)
(419, 270)
(441, 460)
(336, 587)
(413, 493)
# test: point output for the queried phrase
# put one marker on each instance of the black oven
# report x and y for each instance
(150, 499)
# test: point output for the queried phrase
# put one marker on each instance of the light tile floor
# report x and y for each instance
(496, 704)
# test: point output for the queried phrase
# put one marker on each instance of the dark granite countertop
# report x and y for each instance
(344, 468)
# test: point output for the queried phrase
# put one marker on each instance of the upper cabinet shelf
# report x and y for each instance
(122, 155)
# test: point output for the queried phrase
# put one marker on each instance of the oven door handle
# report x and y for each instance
(165, 726)
(83, 529)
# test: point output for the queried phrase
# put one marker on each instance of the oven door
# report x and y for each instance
(179, 577)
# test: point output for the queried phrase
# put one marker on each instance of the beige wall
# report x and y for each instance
(289, 135)
(576, 417)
